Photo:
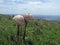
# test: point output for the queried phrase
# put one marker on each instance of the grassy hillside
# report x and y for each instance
(39, 32)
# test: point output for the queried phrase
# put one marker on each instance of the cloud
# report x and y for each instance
(35, 3)
(42, 7)
(1, 1)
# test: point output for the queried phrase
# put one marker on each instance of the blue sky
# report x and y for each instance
(40, 7)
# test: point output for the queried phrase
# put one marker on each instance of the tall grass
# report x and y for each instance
(40, 32)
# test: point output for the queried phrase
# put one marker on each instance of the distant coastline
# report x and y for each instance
(43, 17)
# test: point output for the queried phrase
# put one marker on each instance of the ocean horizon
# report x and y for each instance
(43, 17)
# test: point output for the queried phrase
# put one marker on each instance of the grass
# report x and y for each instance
(39, 32)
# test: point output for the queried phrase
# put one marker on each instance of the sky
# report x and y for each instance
(35, 7)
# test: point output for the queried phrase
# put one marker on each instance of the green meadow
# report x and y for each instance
(38, 32)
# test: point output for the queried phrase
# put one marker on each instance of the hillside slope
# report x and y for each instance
(39, 32)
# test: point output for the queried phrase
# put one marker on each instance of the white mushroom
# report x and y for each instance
(22, 20)
(19, 21)
(27, 17)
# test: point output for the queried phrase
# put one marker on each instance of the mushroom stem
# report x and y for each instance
(24, 32)
(18, 32)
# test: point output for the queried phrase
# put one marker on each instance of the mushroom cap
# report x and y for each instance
(19, 19)
(28, 17)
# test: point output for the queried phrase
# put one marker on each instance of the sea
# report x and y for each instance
(43, 17)
(48, 17)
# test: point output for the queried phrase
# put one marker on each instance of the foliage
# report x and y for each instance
(39, 32)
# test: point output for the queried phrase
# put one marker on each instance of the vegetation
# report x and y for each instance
(39, 32)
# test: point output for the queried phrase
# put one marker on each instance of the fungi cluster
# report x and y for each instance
(20, 20)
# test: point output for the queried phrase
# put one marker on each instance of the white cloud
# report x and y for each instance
(16, 0)
(48, 8)
(13, 0)
(34, 3)
(52, 7)
(1, 1)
